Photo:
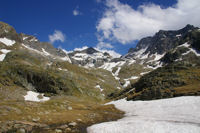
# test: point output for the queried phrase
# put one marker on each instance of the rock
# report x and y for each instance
(68, 129)
(36, 119)
(69, 108)
(63, 126)
(72, 124)
(17, 126)
(79, 120)
(21, 130)
(58, 131)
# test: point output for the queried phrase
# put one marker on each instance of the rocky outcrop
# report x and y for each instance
(9, 32)
(161, 42)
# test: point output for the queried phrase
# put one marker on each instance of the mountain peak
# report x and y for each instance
(90, 50)
(160, 43)
(9, 32)
(189, 26)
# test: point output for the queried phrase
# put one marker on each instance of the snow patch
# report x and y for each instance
(156, 65)
(34, 96)
(45, 52)
(143, 73)
(111, 52)
(110, 65)
(6, 31)
(118, 88)
(4, 51)
(117, 72)
(127, 83)
(66, 58)
(174, 115)
(84, 56)
(2, 57)
(179, 35)
(131, 61)
(197, 53)
(140, 52)
(24, 38)
(158, 56)
(145, 56)
(99, 87)
(32, 49)
(134, 77)
(7, 41)
(185, 45)
(62, 69)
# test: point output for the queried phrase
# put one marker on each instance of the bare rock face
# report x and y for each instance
(34, 43)
(161, 42)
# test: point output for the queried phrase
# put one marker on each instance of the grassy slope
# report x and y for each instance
(172, 80)
(51, 115)
(69, 86)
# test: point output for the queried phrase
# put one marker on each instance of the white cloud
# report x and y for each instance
(80, 49)
(57, 36)
(101, 45)
(111, 52)
(123, 23)
(76, 11)
(98, 1)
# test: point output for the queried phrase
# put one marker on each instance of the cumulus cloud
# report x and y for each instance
(57, 36)
(76, 12)
(102, 45)
(80, 49)
(111, 52)
(122, 23)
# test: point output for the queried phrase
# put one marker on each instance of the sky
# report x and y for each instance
(114, 25)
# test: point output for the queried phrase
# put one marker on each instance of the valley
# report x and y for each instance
(48, 89)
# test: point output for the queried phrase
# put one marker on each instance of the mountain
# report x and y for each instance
(177, 71)
(159, 44)
(150, 50)
(149, 54)
(163, 48)
(89, 57)
(40, 83)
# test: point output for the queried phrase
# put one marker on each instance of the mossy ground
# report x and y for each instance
(51, 115)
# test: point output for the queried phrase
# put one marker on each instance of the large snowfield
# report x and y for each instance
(175, 115)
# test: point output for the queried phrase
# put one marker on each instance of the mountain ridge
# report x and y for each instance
(45, 83)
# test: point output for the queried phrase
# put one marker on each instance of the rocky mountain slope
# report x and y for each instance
(179, 66)
(32, 72)
(38, 65)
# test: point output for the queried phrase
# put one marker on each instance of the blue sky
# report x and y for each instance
(85, 27)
